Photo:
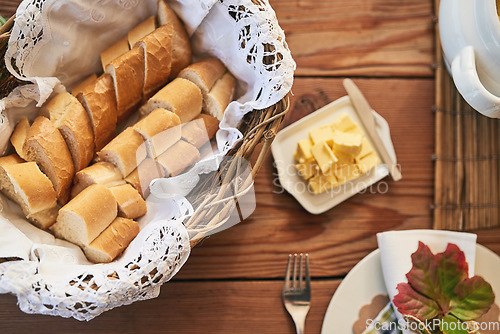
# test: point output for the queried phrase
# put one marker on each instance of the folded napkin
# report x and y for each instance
(396, 248)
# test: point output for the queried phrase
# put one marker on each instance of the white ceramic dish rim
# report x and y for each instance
(366, 280)
(283, 148)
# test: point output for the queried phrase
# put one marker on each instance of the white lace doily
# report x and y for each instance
(56, 43)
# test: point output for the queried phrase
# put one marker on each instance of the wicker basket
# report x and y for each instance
(257, 126)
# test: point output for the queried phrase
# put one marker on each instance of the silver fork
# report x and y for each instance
(297, 292)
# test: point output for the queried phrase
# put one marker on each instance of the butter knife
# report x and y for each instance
(366, 116)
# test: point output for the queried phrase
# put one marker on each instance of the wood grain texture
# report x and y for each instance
(339, 238)
(359, 37)
(186, 307)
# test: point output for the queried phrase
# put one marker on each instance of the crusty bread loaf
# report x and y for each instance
(99, 100)
(180, 96)
(142, 176)
(179, 157)
(69, 116)
(126, 151)
(161, 128)
(83, 218)
(101, 172)
(26, 185)
(112, 241)
(80, 87)
(157, 49)
(18, 137)
(200, 130)
(204, 73)
(181, 45)
(142, 29)
(114, 51)
(219, 97)
(127, 72)
(45, 145)
(130, 202)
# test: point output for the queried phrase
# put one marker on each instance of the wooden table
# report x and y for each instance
(232, 282)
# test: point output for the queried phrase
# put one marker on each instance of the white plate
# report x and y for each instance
(365, 281)
(285, 143)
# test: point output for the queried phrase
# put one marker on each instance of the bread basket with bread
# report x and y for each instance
(126, 128)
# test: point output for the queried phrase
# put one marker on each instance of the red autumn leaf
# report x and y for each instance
(452, 268)
(438, 287)
(423, 276)
(473, 298)
(408, 301)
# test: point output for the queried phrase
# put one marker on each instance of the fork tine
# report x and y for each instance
(287, 274)
(294, 271)
(308, 277)
(300, 271)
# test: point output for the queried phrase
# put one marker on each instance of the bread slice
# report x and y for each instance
(180, 96)
(219, 97)
(157, 49)
(181, 45)
(130, 202)
(114, 51)
(142, 176)
(18, 137)
(161, 129)
(99, 100)
(101, 173)
(200, 130)
(127, 72)
(204, 73)
(26, 185)
(46, 146)
(179, 157)
(80, 87)
(69, 116)
(142, 29)
(86, 216)
(126, 151)
(112, 241)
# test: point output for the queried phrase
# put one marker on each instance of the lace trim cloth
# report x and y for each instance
(54, 44)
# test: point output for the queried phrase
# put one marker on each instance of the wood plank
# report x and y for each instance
(186, 307)
(339, 238)
(358, 37)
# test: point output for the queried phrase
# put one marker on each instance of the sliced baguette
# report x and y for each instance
(101, 173)
(181, 45)
(26, 185)
(219, 97)
(46, 146)
(204, 73)
(161, 129)
(126, 151)
(179, 157)
(142, 176)
(86, 216)
(112, 241)
(69, 116)
(130, 203)
(200, 130)
(180, 96)
(80, 87)
(99, 100)
(127, 72)
(18, 137)
(157, 49)
(142, 29)
(114, 51)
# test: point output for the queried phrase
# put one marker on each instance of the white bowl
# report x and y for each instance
(470, 38)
